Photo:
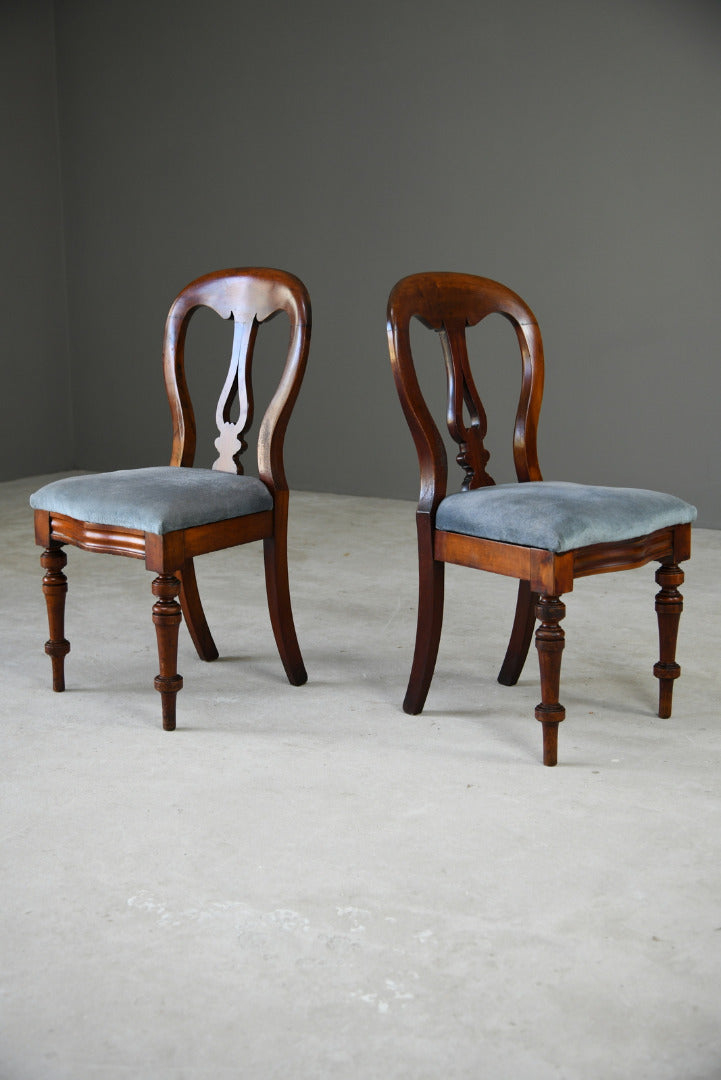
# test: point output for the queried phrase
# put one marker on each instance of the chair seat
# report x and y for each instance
(559, 516)
(155, 500)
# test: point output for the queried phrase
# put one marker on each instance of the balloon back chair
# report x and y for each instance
(168, 515)
(545, 534)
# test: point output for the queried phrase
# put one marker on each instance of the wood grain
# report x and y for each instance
(447, 304)
(250, 297)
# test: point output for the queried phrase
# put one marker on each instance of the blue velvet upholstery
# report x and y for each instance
(558, 516)
(155, 500)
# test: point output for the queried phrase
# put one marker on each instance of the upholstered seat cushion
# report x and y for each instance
(155, 500)
(558, 516)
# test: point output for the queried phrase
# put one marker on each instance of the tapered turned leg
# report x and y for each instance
(549, 642)
(669, 605)
(55, 587)
(521, 635)
(275, 551)
(194, 615)
(431, 585)
(167, 618)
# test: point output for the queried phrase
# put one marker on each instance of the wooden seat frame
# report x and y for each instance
(249, 296)
(448, 303)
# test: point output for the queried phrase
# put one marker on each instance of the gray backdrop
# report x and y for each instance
(569, 149)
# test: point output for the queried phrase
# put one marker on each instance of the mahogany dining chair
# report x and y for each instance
(544, 533)
(167, 515)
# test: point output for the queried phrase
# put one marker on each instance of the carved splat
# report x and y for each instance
(231, 442)
(464, 397)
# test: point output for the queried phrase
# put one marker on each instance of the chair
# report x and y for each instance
(168, 515)
(545, 534)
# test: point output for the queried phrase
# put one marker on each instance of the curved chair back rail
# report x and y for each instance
(249, 296)
(448, 303)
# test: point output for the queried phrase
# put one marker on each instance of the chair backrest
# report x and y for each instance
(448, 303)
(249, 296)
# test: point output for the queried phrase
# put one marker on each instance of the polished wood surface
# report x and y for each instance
(167, 617)
(250, 297)
(193, 613)
(521, 634)
(669, 605)
(55, 586)
(550, 641)
(448, 303)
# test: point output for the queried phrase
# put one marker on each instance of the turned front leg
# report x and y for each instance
(55, 587)
(669, 605)
(167, 618)
(550, 640)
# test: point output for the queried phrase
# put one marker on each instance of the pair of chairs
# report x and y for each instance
(544, 534)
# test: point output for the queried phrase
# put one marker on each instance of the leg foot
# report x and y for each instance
(669, 605)
(55, 587)
(431, 587)
(167, 618)
(281, 613)
(521, 635)
(550, 640)
(194, 615)
(550, 741)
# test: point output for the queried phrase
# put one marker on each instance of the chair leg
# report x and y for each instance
(275, 551)
(669, 605)
(431, 585)
(167, 618)
(550, 640)
(521, 635)
(194, 615)
(55, 587)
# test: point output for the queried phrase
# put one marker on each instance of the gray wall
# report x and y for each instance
(35, 414)
(570, 150)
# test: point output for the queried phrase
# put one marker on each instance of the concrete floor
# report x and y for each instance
(305, 882)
